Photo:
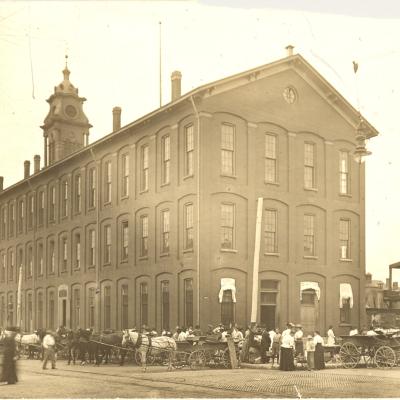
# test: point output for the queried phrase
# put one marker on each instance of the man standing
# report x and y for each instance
(265, 345)
(49, 344)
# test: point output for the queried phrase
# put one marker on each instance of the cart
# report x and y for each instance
(382, 351)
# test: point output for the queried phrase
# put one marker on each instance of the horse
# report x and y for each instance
(31, 342)
(147, 345)
(109, 340)
(71, 340)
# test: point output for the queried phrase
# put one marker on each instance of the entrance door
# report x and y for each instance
(308, 311)
(64, 312)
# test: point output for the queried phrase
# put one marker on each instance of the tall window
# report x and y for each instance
(124, 306)
(52, 257)
(19, 261)
(77, 251)
(309, 235)
(64, 253)
(51, 310)
(107, 244)
(11, 266)
(144, 304)
(345, 312)
(144, 237)
(3, 223)
(21, 216)
(227, 226)
(11, 219)
(268, 302)
(107, 182)
(188, 301)
(78, 193)
(31, 211)
(92, 187)
(344, 238)
(270, 158)
(165, 231)
(52, 211)
(189, 149)
(30, 262)
(40, 310)
(107, 307)
(227, 149)
(92, 247)
(165, 305)
(125, 175)
(41, 208)
(125, 241)
(344, 172)
(270, 231)
(76, 312)
(64, 199)
(2, 311)
(144, 175)
(40, 259)
(29, 312)
(227, 308)
(3, 267)
(309, 165)
(91, 305)
(166, 158)
(189, 230)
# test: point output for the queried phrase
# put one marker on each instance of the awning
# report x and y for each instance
(310, 285)
(346, 292)
(227, 284)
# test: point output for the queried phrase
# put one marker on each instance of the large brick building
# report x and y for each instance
(155, 223)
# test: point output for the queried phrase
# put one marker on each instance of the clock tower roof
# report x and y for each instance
(66, 86)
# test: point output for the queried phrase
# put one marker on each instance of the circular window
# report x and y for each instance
(71, 111)
(290, 95)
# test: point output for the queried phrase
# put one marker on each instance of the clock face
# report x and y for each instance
(71, 111)
(289, 94)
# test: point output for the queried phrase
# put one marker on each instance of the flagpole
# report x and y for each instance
(160, 75)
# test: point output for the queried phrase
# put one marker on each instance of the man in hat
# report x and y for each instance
(49, 345)
(9, 371)
(298, 341)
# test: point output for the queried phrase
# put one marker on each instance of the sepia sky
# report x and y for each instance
(113, 50)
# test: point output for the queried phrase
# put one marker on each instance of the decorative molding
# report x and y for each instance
(252, 125)
(152, 137)
(292, 134)
(205, 114)
(174, 126)
(328, 142)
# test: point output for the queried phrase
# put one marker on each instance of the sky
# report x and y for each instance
(113, 55)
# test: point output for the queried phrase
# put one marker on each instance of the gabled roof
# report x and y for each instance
(295, 62)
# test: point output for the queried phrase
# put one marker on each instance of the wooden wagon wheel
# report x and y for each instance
(385, 357)
(149, 359)
(226, 359)
(350, 355)
(197, 359)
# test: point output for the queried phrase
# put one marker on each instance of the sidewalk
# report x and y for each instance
(328, 365)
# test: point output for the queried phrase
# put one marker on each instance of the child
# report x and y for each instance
(310, 350)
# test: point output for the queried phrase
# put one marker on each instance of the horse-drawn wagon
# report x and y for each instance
(382, 350)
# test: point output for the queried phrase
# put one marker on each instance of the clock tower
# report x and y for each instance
(66, 127)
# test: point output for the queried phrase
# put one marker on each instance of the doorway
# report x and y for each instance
(64, 312)
(308, 311)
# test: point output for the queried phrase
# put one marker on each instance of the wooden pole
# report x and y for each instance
(256, 261)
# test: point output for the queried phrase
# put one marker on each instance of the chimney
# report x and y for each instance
(388, 284)
(36, 164)
(368, 278)
(116, 118)
(289, 50)
(395, 286)
(176, 77)
(27, 167)
(1, 183)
